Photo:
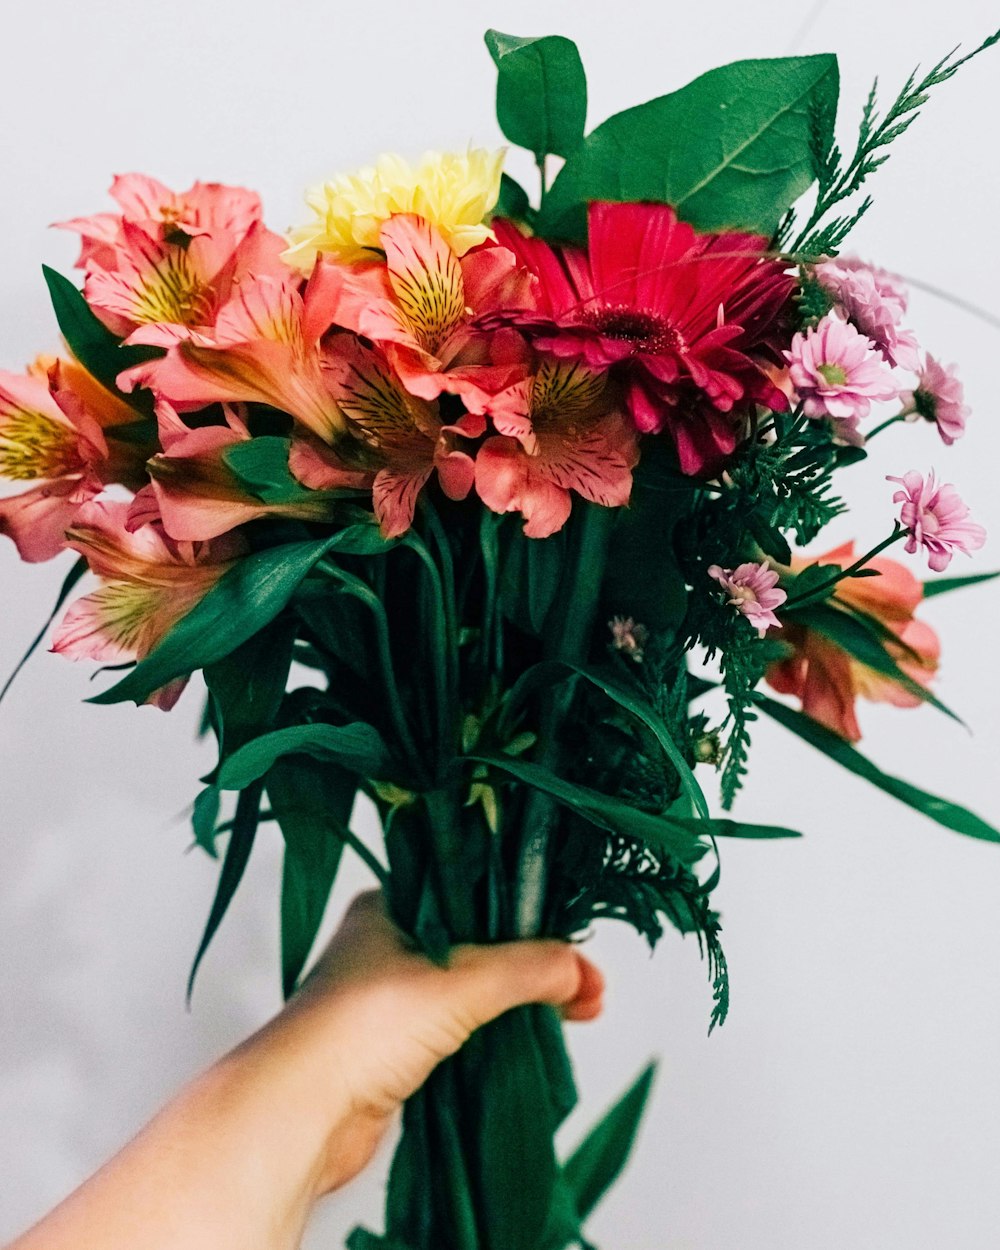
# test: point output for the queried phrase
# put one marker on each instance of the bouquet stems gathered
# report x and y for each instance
(485, 511)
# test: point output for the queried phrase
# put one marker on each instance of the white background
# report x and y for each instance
(852, 1102)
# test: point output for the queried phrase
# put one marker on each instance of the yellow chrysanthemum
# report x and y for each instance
(455, 191)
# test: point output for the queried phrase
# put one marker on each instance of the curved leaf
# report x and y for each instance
(357, 747)
(541, 92)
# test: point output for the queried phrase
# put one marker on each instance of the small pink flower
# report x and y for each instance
(874, 301)
(629, 637)
(753, 591)
(939, 397)
(936, 518)
(837, 373)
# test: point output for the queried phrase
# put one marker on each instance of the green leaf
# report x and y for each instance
(732, 149)
(513, 201)
(243, 601)
(851, 632)
(312, 807)
(204, 819)
(93, 344)
(944, 585)
(261, 465)
(529, 580)
(69, 582)
(241, 840)
(541, 92)
(950, 815)
(249, 683)
(356, 747)
(600, 1158)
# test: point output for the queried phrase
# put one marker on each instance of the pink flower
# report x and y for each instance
(940, 397)
(685, 321)
(837, 373)
(936, 518)
(557, 432)
(753, 591)
(874, 301)
(629, 637)
(149, 582)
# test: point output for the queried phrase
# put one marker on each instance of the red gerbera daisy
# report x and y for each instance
(688, 321)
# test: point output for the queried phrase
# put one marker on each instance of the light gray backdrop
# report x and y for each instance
(853, 1099)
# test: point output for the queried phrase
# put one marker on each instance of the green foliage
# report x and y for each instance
(734, 148)
(70, 582)
(93, 344)
(513, 201)
(261, 466)
(541, 92)
(357, 747)
(600, 1159)
(944, 585)
(950, 815)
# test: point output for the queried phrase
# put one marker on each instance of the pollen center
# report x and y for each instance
(647, 331)
(171, 292)
(33, 445)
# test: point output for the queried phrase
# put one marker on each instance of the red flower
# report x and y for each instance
(689, 322)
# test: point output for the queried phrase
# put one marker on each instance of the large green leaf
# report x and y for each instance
(530, 577)
(944, 585)
(950, 815)
(599, 1160)
(312, 806)
(243, 601)
(93, 344)
(541, 92)
(248, 684)
(357, 747)
(734, 148)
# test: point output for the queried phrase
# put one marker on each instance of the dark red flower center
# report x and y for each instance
(647, 331)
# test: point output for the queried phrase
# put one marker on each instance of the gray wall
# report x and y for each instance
(853, 1098)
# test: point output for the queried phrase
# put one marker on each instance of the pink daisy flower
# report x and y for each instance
(936, 518)
(874, 301)
(837, 373)
(753, 590)
(940, 397)
(629, 637)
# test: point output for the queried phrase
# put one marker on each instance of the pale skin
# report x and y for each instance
(240, 1157)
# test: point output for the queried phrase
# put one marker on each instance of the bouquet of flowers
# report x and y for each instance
(485, 509)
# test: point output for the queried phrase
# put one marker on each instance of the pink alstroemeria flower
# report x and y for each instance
(939, 397)
(169, 216)
(401, 436)
(753, 591)
(149, 583)
(937, 519)
(557, 433)
(422, 306)
(685, 322)
(837, 373)
(263, 348)
(875, 302)
(52, 437)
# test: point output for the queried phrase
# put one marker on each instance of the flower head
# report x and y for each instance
(937, 519)
(874, 301)
(827, 679)
(685, 321)
(837, 373)
(940, 397)
(629, 637)
(453, 191)
(754, 591)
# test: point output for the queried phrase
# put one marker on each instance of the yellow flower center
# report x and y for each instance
(33, 445)
(172, 292)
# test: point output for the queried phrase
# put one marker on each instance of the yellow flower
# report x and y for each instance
(454, 191)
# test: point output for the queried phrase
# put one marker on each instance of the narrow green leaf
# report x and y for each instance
(600, 1158)
(204, 819)
(241, 840)
(944, 585)
(734, 148)
(950, 815)
(541, 92)
(69, 582)
(357, 747)
(249, 683)
(93, 344)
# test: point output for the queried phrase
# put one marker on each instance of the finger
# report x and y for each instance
(588, 1002)
(489, 980)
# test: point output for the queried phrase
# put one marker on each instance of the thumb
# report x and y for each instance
(489, 980)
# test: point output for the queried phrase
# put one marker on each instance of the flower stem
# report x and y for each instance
(820, 591)
(900, 416)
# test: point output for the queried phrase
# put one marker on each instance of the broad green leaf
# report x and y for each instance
(513, 201)
(93, 344)
(950, 815)
(541, 92)
(943, 585)
(733, 149)
(357, 747)
(243, 601)
(312, 806)
(851, 631)
(69, 582)
(530, 577)
(599, 1160)
(241, 840)
(249, 683)
(261, 464)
